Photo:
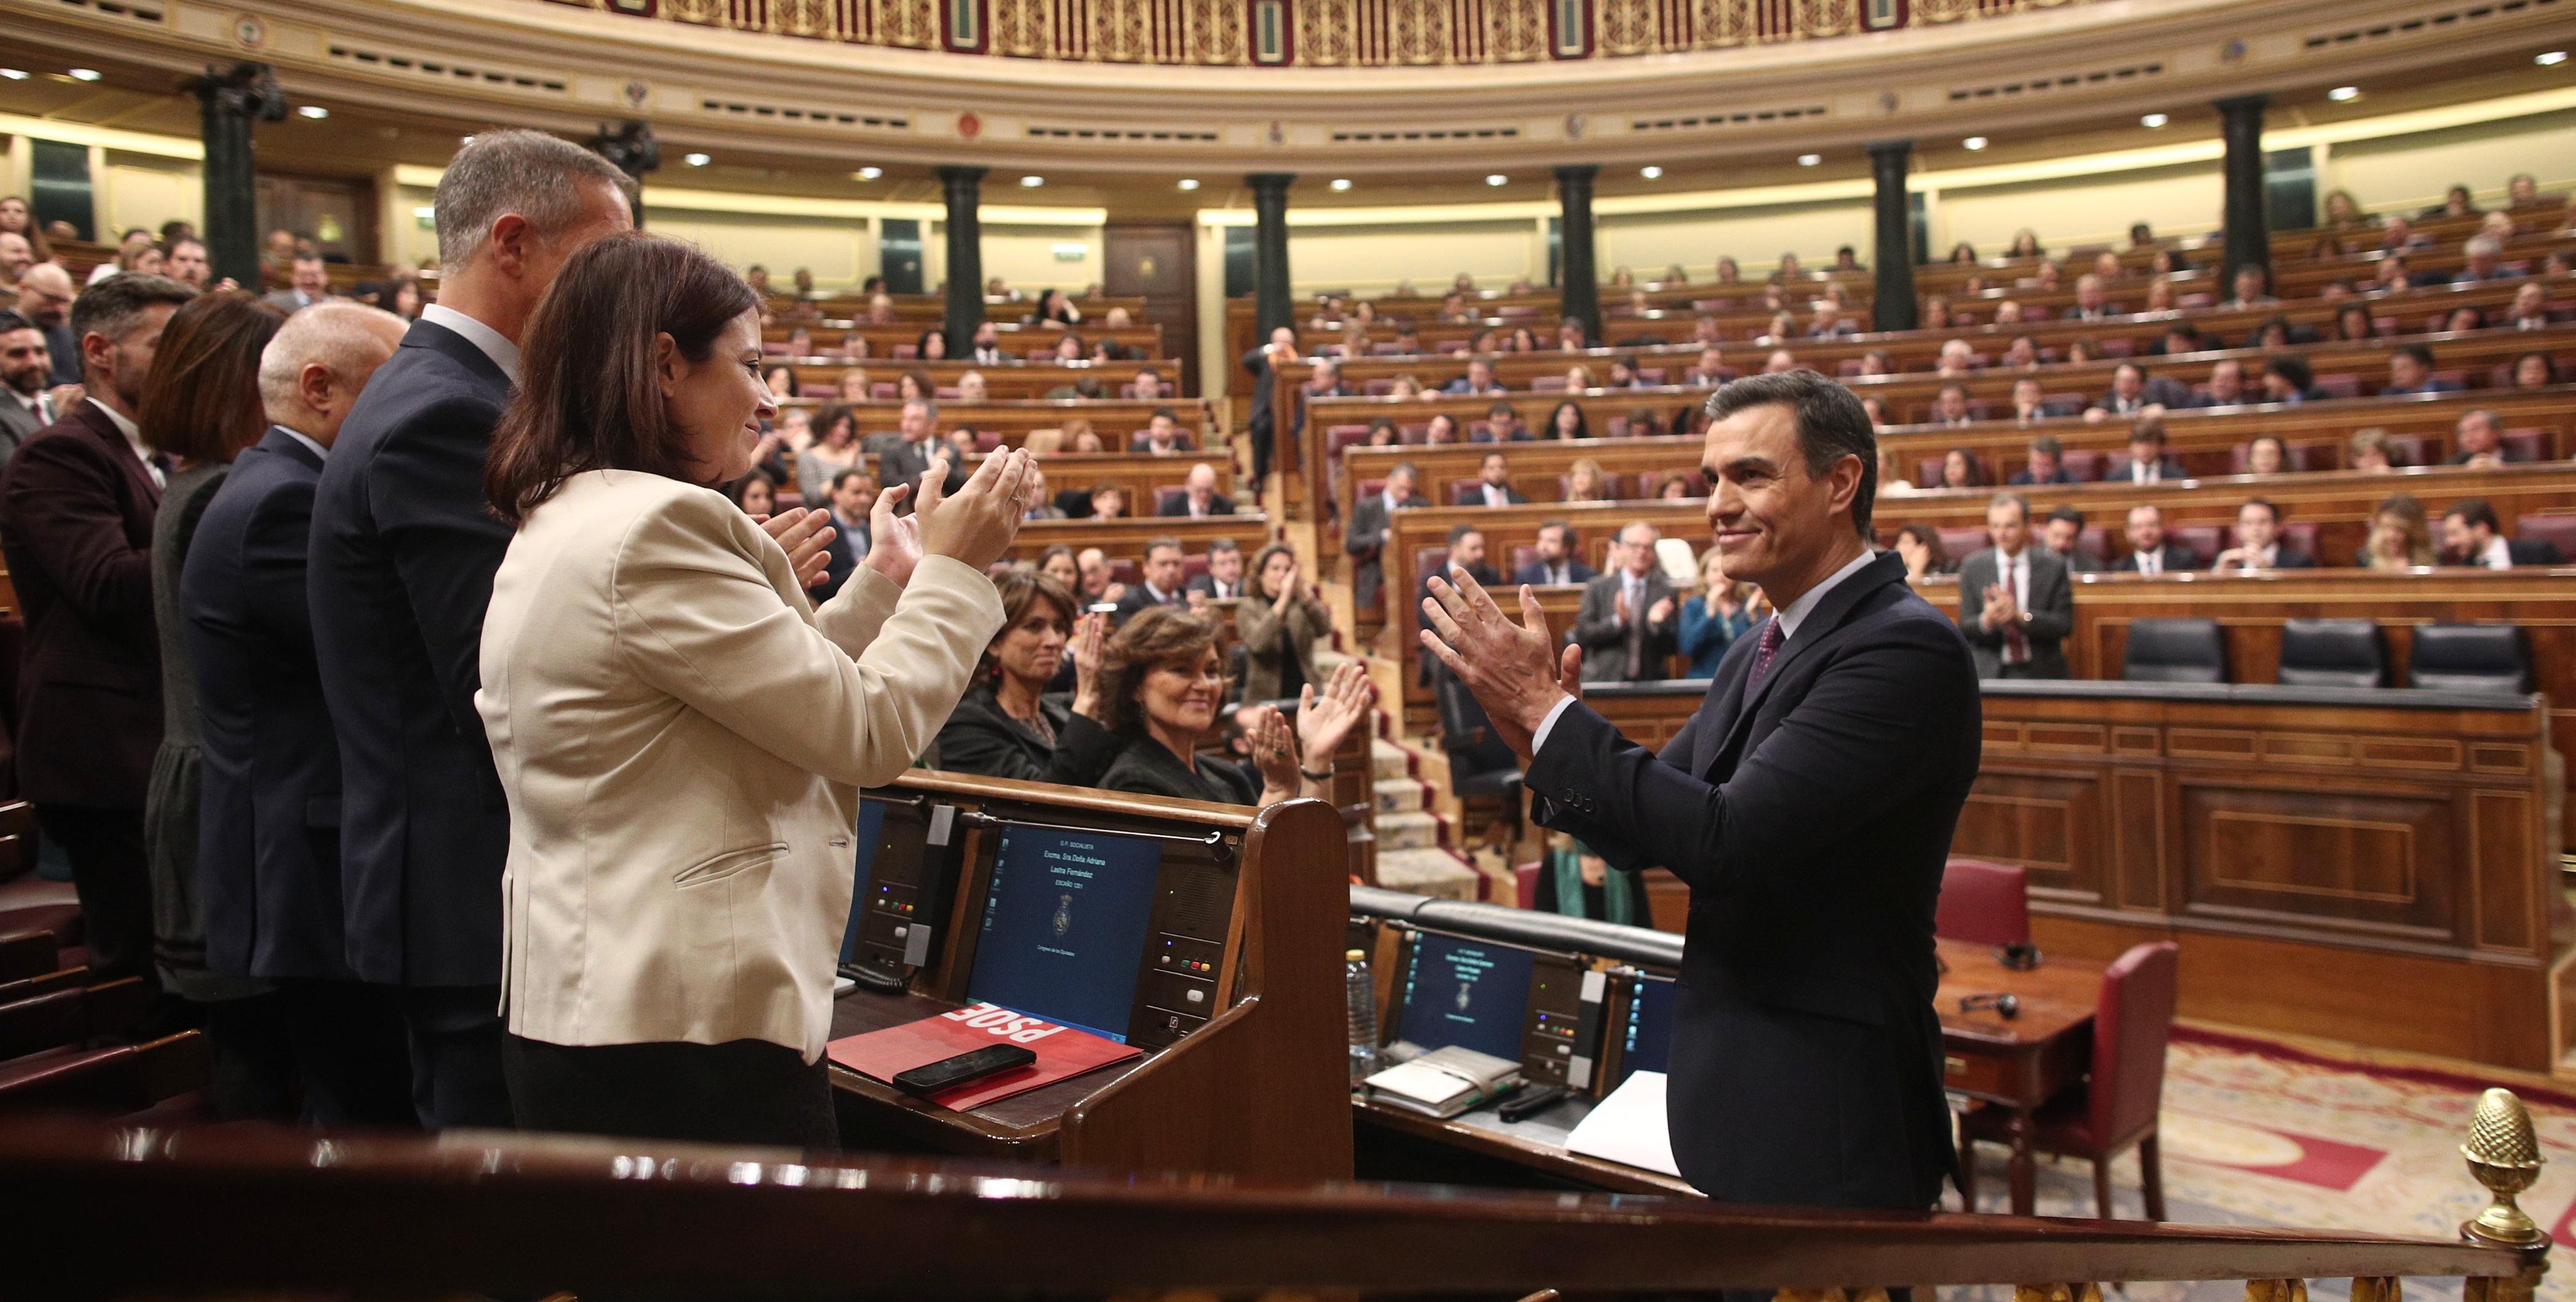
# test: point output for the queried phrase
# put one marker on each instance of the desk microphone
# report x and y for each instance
(2020, 956)
(2009, 1005)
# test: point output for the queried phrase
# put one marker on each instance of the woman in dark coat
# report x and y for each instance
(1166, 689)
(1009, 725)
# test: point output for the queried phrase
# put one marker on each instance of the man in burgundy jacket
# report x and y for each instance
(76, 506)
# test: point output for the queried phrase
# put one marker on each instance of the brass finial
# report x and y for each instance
(2504, 1155)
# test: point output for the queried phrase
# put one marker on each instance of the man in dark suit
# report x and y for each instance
(2145, 462)
(1199, 499)
(1556, 563)
(1224, 578)
(853, 497)
(1263, 365)
(904, 457)
(76, 507)
(2047, 464)
(268, 848)
(1466, 552)
(26, 373)
(2471, 535)
(45, 297)
(1626, 626)
(404, 548)
(1162, 585)
(1371, 528)
(2258, 543)
(2149, 553)
(309, 282)
(2015, 604)
(2132, 392)
(2410, 371)
(1809, 806)
(1493, 486)
(2063, 536)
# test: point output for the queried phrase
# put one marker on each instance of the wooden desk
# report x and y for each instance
(2018, 1062)
(1531, 1151)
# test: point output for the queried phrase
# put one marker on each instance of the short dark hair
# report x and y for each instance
(201, 400)
(1405, 468)
(1830, 421)
(2014, 500)
(2474, 511)
(2068, 514)
(1019, 588)
(112, 306)
(2419, 352)
(1458, 531)
(2266, 503)
(2149, 430)
(2048, 444)
(588, 399)
(1216, 545)
(2293, 369)
(11, 322)
(834, 484)
(1161, 541)
(1165, 413)
(1558, 524)
(1158, 635)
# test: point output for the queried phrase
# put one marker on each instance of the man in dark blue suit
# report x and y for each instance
(403, 550)
(1809, 804)
(1555, 561)
(268, 846)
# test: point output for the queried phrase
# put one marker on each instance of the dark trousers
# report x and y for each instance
(455, 1034)
(105, 847)
(252, 1073)
(739, 1092)
(353, 1050)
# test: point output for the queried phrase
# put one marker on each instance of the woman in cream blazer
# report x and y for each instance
(681, 737)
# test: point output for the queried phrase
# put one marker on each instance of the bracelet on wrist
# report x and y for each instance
(1310, 776)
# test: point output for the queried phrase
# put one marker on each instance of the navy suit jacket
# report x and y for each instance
(403, 550)
(268, 816)
(1811, 820)
(1535, 574)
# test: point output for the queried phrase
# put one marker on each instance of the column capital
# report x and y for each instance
(954, 173)
(1275, 182)
(1882, 148)
(2254, 103)
(1578, 171)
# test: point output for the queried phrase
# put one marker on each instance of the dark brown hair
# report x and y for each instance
(588, 396)
(1019, 589)
(1158, 635)
(201, 401)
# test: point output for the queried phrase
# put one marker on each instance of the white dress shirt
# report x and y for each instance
(36, 406)
(134, 439)
(1498, 495)
(2496, 555)
(2152, 562)
(1790, 618)
(2014, 571)
(494, 344)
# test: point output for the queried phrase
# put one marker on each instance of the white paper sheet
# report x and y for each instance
(1628, 1127)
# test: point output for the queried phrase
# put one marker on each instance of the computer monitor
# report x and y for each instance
(862, 894)
(1066, 918)
(1469, 993)
(1646, 1037)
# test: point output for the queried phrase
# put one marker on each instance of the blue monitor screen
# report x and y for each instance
(1649, 1042)
(1065, 925)
(871, 830)
(1466, 993)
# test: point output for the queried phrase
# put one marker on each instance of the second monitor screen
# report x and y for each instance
(1466, 993)
(1065, 925)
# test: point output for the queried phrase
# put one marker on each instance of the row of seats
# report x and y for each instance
(2490, 658)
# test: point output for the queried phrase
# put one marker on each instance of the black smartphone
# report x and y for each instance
(932, 1077)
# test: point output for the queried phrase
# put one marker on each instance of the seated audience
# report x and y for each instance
(1567, 422)
(1574, 882)
(1493, 486)
(1010, 724)
(2016, 604)
(2410, 371)
(2400, 537)
(2258, 543)
(2145, 462)
(2253, 288)
(2530, 309)
(851, 495)
(1556, 562)
(1223, 580)
(1199, 498)
(1950, 405)
(2030, 404)
(2149, 552)
(1162, 435)
(1920, 546)
(1100, 590)
(1675, 486)
(1478, 381)
(1443, 428)
(2132, 393)
(2287, 379)
(2062, 535)
(2369, 449)
(1280, 623)
(1466, 552)
(1166, 677)
(1779, 362)
(1162, 585)
(756, 493)
(1107, 502)
(2353, 324)
(2534, 370)
(2267, 455)
(2472, 536)
(2482, 258)
(2226, 384)
(1626, 625)
(1961, 469)
(2046, 465)
(1713, 617)
(1041, 507)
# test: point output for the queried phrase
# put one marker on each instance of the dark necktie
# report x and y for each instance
(1763, 653)
(2016, 646)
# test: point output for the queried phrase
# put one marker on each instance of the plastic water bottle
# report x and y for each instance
(1360, 990)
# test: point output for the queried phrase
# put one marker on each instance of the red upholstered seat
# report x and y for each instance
(2116, 1106)
(1962, 541)
(2083, 463)
(2204, 540)
(2526, 445)
(1525, 877)
(2555, 527)
(1988, 903)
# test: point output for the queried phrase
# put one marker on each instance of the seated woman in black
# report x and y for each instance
(1166, 685)
(1009, 725)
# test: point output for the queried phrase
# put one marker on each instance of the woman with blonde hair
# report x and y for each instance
(1584, 482)
(1713, 617)
(2401, 538)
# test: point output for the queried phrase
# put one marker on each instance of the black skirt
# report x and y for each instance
(739, 1092)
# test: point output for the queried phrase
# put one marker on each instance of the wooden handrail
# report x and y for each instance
(231, 1209)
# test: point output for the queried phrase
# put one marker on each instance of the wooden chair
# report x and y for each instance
(1984, 903)
(118, 1081)
(2115, 1108)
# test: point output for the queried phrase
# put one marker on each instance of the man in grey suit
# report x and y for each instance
(311, 284)
(1371, 528)
(2015, 603)
(904, 457)
(26, 368)
(1626, 626)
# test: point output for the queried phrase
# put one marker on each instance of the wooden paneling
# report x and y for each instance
(2254, 832)
(1126, 539)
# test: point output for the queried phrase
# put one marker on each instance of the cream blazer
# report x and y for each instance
(682, 738)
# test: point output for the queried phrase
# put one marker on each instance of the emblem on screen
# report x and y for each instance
(1464, 994)
(1063, 915)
